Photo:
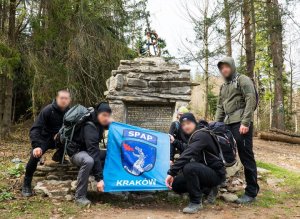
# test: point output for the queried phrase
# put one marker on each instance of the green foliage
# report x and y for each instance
(17, 170)
(291, 182)
(5, 195)
(9, 60)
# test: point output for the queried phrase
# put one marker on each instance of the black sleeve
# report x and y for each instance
(173, 128)
(180, 145)
(172, 152)
(91, 137)
(197, 144)
(37, 128)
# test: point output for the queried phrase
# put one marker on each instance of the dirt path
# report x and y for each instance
(219, 211)
(281, 154)
(278, 153)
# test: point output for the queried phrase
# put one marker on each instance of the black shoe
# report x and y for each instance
(26, 188)
(192, 208)
(245, 199)
(83, 202)
(212, 196)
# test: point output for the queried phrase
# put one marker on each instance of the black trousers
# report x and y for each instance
(33, 161)
(245, 150)
(195, 178)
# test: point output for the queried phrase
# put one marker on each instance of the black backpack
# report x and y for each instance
(73, 119)
(225, 142)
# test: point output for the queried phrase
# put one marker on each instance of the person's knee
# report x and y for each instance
(188, 169)
(88, 162)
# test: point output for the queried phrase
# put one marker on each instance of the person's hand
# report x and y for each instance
(244, 130)
(100, 186)
(171, 162)
(37, 152)
(169, 181)
(172, 139)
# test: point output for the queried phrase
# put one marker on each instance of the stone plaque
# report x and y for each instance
(155, 117)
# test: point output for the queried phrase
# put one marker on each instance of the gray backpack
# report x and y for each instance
(73, 119)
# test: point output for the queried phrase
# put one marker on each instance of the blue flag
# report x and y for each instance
(137, 159)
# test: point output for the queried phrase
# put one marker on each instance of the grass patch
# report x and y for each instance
(36, 207)
(290, 186)
(291, 179)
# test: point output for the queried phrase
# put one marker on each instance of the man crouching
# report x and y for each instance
(42, 136)
(88, 156)
(200, 165)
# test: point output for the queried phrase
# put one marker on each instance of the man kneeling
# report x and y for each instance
(85, 152)
(200, 165)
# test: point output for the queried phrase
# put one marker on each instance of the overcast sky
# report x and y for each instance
(169, 20)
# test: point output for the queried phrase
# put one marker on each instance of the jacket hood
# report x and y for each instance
(229, 61)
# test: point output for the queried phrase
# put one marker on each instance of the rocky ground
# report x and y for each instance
(278, 173)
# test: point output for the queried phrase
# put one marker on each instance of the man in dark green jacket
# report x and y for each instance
(237, 103)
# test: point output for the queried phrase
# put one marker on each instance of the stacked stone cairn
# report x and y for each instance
(58, 181)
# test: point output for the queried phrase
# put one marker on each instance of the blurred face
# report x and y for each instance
(63, 99)
(188, 127)
(225, 70)
(104, 118)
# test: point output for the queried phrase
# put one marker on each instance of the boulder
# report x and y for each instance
(53, 188)
(274, 181)
(262, 171)
(229, 197)
(231, 171)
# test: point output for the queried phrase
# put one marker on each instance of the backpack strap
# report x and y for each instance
(93, 124)
(216, 142)
(219, 152)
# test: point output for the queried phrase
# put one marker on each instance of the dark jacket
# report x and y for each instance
(181, 140)
(237, 99)
(87, 138)
(46, 125)
(200, 142)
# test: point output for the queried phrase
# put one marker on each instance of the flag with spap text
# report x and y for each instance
(137, 159)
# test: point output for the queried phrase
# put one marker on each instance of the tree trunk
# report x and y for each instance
(278, 137)
(275, 33)
(7, 108)
(7, 111)
(206, 52)
(4, 16)
(2, 92)
(12, 22)
(248, 38)
(228, 28)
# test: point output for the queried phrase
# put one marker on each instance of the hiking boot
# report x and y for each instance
(83, 202)
(192, 208)
(26, 188)
(212, 196)
(245, 199)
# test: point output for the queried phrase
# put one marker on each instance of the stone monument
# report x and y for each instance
(146, 92)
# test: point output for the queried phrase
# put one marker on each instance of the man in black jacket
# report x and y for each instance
(42, 134)
(89, 157)
(178, 139)
(200, 164)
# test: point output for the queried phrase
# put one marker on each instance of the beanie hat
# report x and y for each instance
(182, 109)
(188, 117)
(103, 107)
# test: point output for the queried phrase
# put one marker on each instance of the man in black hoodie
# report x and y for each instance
(200, 164)
(42, 134)
(88, 156)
